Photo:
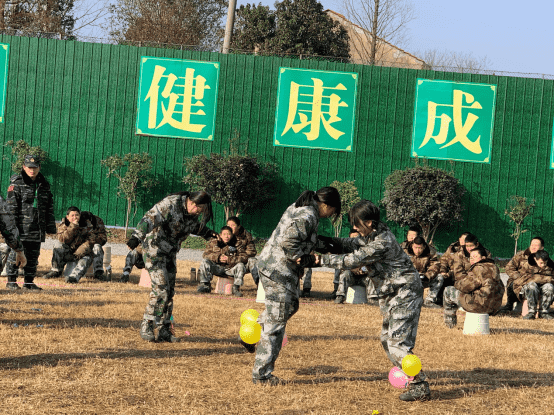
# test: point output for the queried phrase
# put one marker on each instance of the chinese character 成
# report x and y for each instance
(460, 128)
(180, 96)
(312, 109)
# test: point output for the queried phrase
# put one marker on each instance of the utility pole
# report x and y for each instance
(229, 26)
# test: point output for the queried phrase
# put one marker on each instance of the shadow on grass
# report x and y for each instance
(75, 359)
(521, 331)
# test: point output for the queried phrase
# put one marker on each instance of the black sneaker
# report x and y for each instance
(71, 280)
(251, 348)
(99, 275)
(124, 278)
(52, 274)
(416, 392)
(305, 293)
(165, 335)
(147, 330)
(31, 286)
(13, 286)
(505, 309)
(271, 381)
(204, 288)
(546, 316)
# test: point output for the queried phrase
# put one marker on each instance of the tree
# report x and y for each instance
(382, 21)
(137, 177)
(424, 196)
(181, 22)
(237, 181)
(21, 149)
(46, 16)
(349, 197)
(298, 27)
(454, 61)
(518, 210)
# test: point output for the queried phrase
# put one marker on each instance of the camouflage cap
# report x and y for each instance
(31, 161)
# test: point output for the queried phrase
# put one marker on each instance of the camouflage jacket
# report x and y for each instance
(405, 244)
(480, 286)
(75, 236)
(33, 223)
(389, 266)
(233, 249)
(166, 225)
(461, 258)
(98, 235)
(244, 238)
(518, 265)
(426, 264)
(532, 273)
(294, 236)
(447, 259)
(7, 227)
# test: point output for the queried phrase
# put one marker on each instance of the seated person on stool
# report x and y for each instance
(75, 242)
(428, 266)
(518, 266)
(99, 237)
(356, 276)
(224, 257)
(536, 285)
(478, 289)
(133, 259)
(245, 238)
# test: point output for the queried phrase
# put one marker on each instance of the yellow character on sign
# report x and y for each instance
(460, 128)
(312, 112)
(180, 104)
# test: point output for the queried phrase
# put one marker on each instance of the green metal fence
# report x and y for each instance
(78, 101)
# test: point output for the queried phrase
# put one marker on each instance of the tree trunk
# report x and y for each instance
(374, 34)
(127, 216)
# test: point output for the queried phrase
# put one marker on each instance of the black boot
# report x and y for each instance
(124, 278)
(52, 274)
(416, 392)
(236, 291)
(30, 285)
(334, 293)
(166, 335)
(147, 330)
(340, 299)
(305, 293)
(511, 299)
(12, 284)
(204, 287)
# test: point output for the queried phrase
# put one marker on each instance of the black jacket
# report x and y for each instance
(32, 222)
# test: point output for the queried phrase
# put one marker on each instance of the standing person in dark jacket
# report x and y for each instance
(11, 235)
(161, 232)
(31, 204)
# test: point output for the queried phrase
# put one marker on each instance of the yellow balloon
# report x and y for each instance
(250, 332)
(411, 365)
(249, 315)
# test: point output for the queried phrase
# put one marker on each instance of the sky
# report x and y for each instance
(514, 36)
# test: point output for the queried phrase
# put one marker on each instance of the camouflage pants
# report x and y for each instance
(62, 254)
(162, 271)
(208, 269)
(348, 279)
(252, 269)
(400, 311)
(97, 258)
(451, 300)
(32, 252)
(133, 259)
(4, 252)
(307, 279)
(336, 278)
(280, 305)
(536, 294)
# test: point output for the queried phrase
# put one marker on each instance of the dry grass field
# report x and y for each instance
(76, 350)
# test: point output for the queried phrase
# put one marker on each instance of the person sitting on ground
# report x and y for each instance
(413, 232)
(245, 238)
(133, 259)
(75, 242)
(99, 238)
(477, 289)
(518, 266)
(536, 285)
(356, 276)
(223, 257)
(427, 264)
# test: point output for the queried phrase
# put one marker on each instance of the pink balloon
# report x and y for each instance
(399, 379)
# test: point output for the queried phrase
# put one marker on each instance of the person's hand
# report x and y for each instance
(223, 259)
(74, 220)
(133, 242)
(20, 259)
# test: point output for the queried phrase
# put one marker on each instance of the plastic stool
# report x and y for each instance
(476, 324)
(356, 294)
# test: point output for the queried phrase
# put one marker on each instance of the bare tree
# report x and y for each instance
(20, 17)
(184, 22)
(90, 17)
(450, 61)
(380, 24)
